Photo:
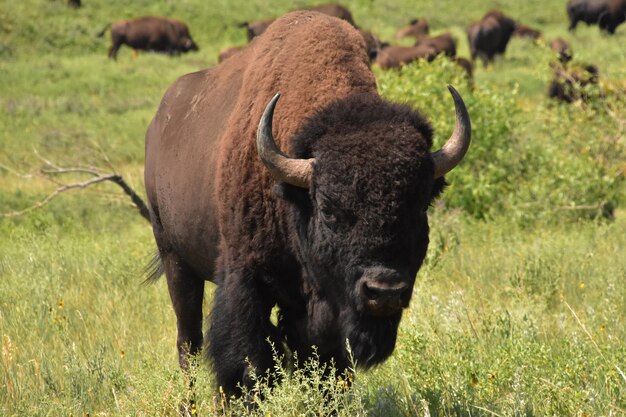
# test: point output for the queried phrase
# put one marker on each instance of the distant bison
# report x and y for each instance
(74, 3)
(524, 31)
(607, 14)
(396, 56)
(443, 43)
(569, 85)
(316, 206)
(156, 34)
(416, 29)
(254, 29)
(226, 53)
(334, 10)
(562, 49)
(257, 27)
(490, 36)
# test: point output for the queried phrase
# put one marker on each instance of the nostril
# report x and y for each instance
(376, 291)
(370, 292)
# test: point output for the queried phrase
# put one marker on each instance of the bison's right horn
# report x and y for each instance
(293, 171)
(453, 151)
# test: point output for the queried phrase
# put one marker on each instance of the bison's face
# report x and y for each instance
(367, 229)
(358, 213)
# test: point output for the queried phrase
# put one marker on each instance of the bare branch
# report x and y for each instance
(98, 177)
(58, 191)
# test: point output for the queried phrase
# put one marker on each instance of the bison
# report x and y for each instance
(256, 28)
(157, 34)
(607, 14)
(226, 53)
(320, 212)
(490, 36)
(396, 56)
(335, 10)
(443, 43)
(524, 31)
(416, 29)
(569, 85)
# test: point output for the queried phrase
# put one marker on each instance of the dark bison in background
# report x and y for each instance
(607, 14)
(568, 84)
(156, 34)
(257, 27)
(416, 29)
(321, 211)
(490, 36)
(74, 3)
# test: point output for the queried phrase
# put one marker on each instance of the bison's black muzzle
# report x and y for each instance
(383, 292)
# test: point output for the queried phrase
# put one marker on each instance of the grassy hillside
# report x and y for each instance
(519, 309)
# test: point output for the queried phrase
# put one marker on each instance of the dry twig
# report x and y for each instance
(52, 171)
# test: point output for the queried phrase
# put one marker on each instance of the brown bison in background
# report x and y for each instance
(257, 27)
(490, 36)
(254, 29)
(416, 29)
(607, 14)
(74, 3)
(396, 56)
(157, 34)
(443, 43)
(335, 10)
(316, 205)
(226, 53)
(524, 31)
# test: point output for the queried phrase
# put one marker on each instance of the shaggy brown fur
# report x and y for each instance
(218, 214)
(416, 29)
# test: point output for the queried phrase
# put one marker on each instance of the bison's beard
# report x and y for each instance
(371, 339)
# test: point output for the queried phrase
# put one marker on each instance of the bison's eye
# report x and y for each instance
(328, 214)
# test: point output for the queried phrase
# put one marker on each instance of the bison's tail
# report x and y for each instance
(104, 29)
(154, 269)
(242, 25)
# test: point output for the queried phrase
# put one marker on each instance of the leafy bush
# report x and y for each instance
(511, 168)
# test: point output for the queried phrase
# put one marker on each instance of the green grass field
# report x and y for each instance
(520, 309)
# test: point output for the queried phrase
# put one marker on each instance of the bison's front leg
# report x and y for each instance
(239, 331)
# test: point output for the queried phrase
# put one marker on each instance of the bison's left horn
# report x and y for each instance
(453, 151)
(293, 171)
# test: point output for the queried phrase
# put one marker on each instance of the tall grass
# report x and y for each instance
(519, 309)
